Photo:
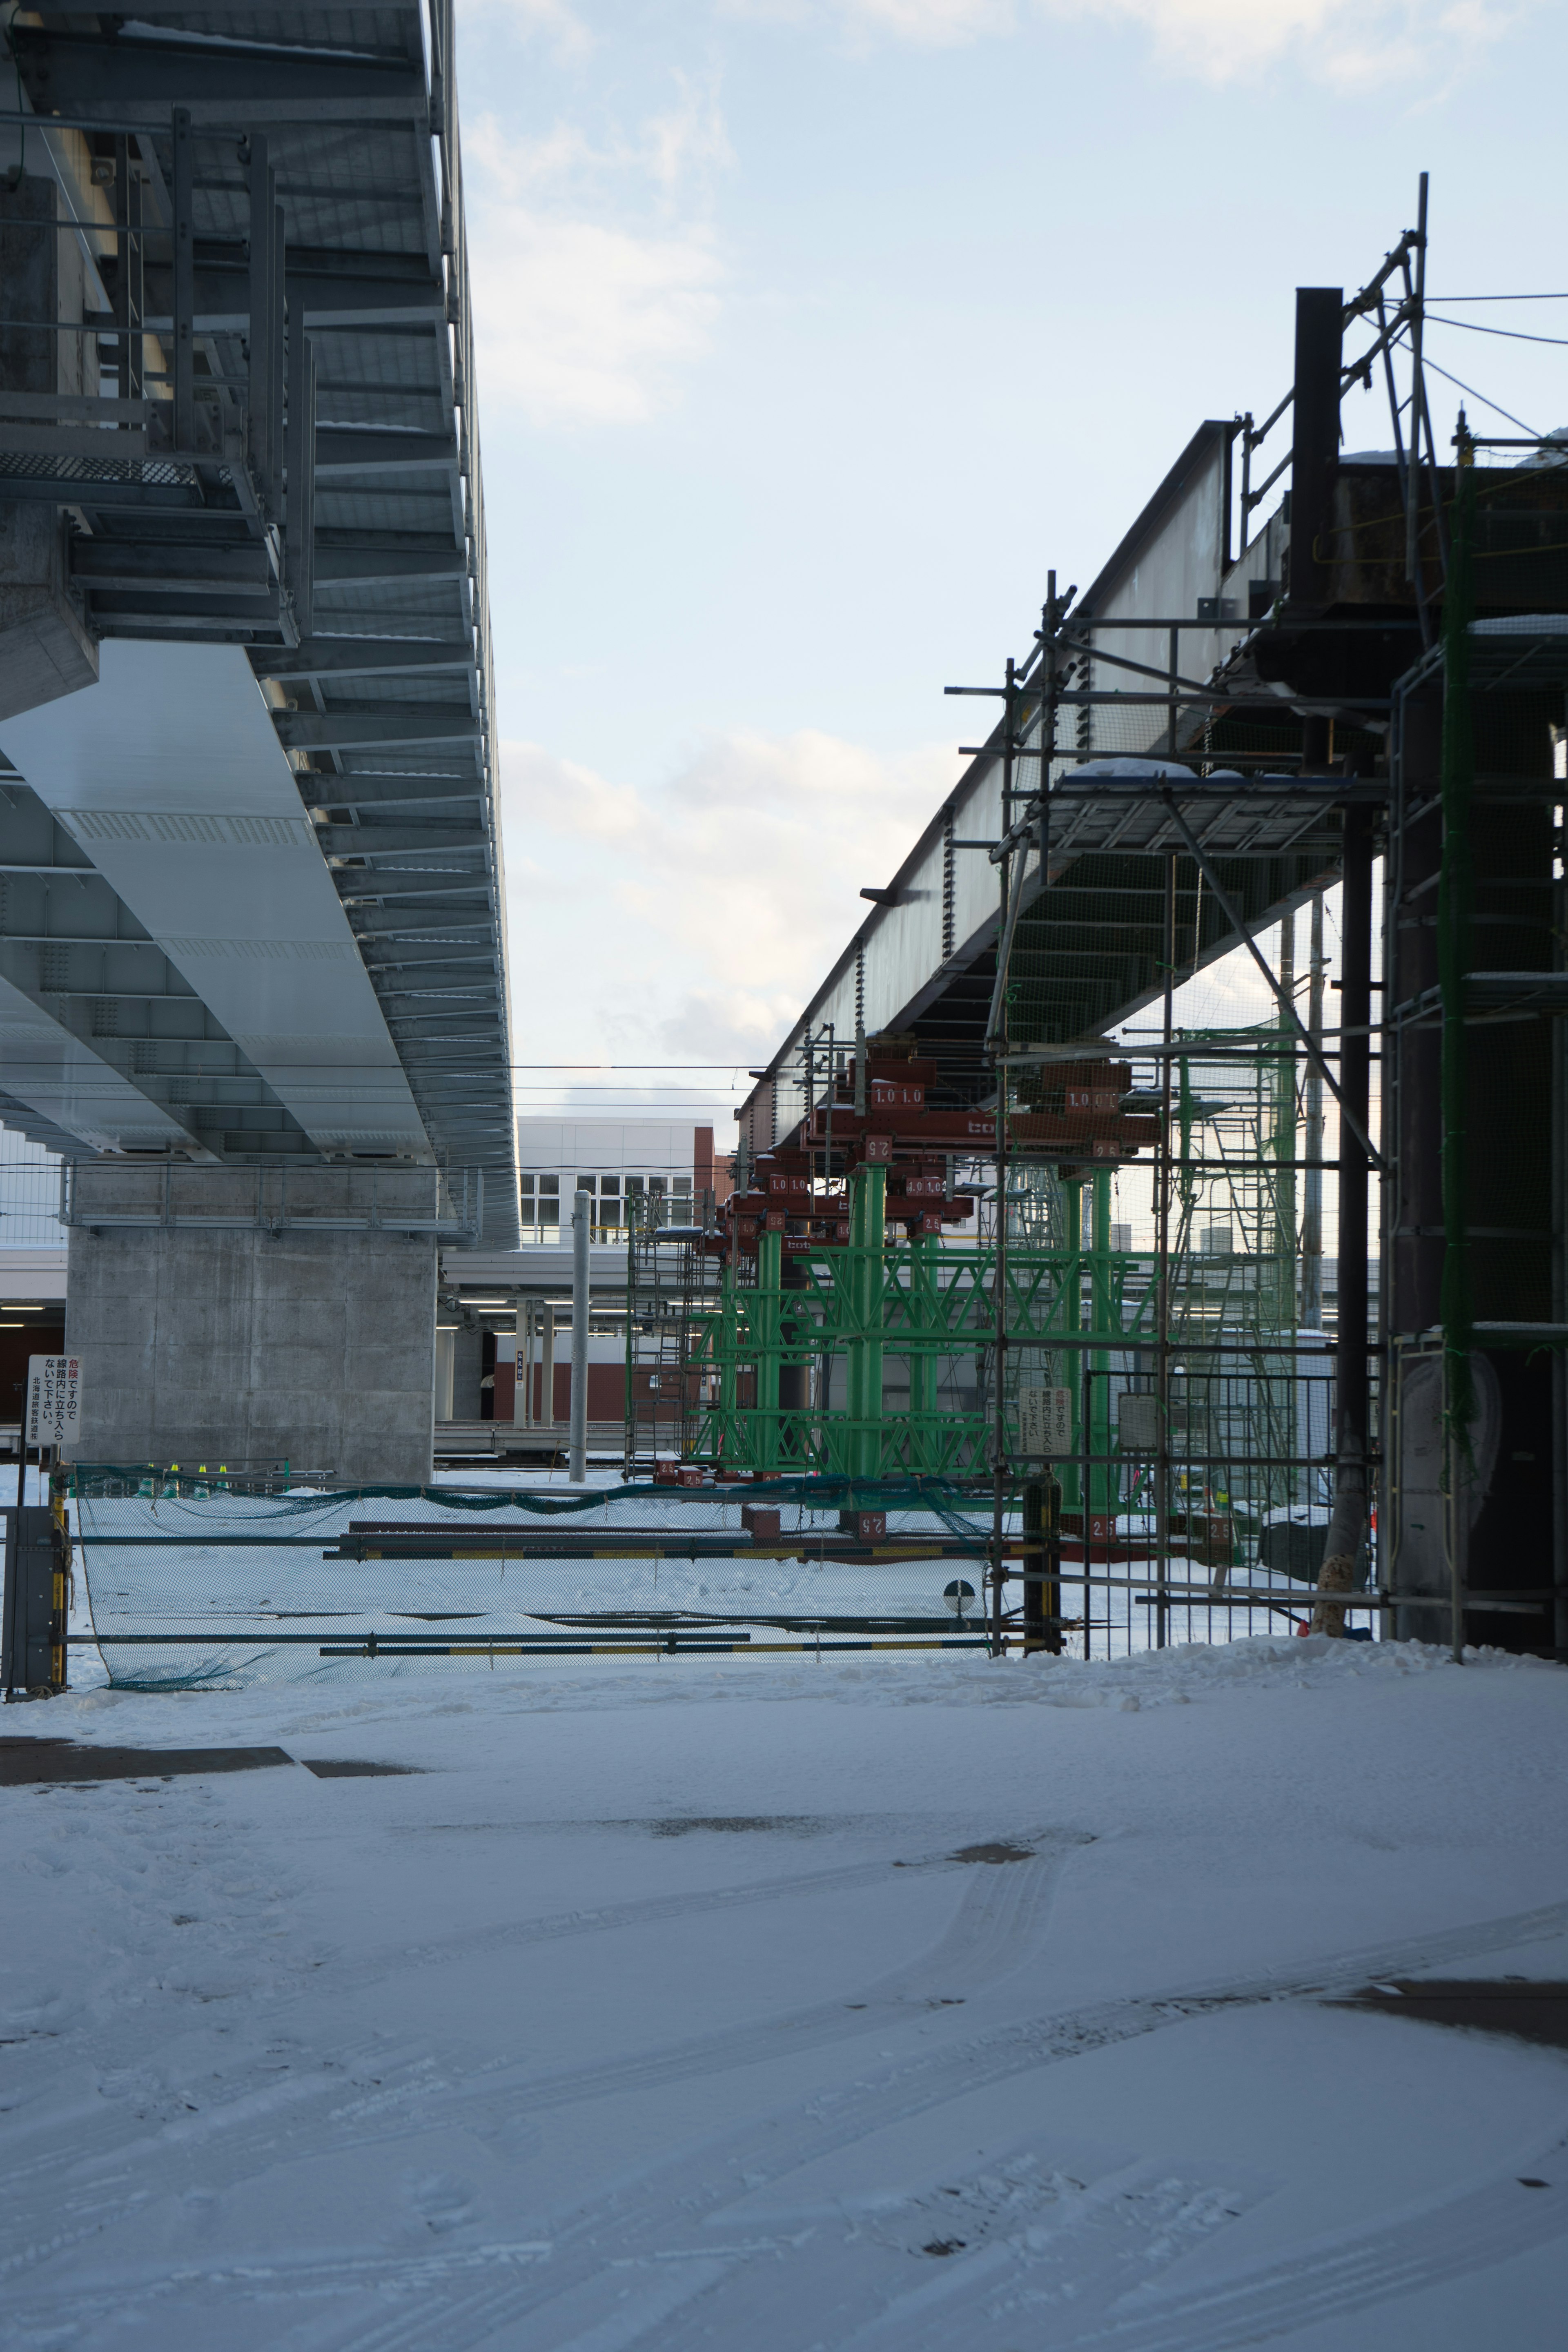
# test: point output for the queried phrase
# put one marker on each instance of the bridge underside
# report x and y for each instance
(253, 902)
(1089, 951)
(1125, 895)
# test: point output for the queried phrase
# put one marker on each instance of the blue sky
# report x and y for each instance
(814, 331)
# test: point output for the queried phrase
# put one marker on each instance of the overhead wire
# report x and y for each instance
(1514, 334)
(1470, 388)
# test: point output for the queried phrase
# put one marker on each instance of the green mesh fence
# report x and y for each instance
(188, 1586)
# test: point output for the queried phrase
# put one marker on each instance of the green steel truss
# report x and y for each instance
(786, 1363)
(879, 1356)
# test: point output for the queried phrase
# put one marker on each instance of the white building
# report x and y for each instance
(615, 1160)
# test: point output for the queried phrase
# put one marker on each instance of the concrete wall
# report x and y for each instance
(250, 1344)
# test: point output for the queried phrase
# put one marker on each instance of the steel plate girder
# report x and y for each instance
(440, 956)
(143, 613)
(141, 80)
(191, 563)
(324, 657)
(67, 910)
(188, 586)
(364, 558)
(128, 764)
(391, 928)
(93, 967)
(398, 840)
(366, 886)
(349, 792)
(32, 841)
(340, 293)
(341, 449)
(444, 986)
(73, 1080)
(370, 726)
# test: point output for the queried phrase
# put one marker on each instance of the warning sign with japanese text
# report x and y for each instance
(54, 1400)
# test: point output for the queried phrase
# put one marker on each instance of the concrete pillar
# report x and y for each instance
(216, 1326)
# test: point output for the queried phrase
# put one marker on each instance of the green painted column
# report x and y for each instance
(1072, 1320)
(726, 1342)
(767, 1303)
(1102, 1318)
(925, 1437)
(868, 1243)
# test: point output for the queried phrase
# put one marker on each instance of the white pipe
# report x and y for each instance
(577, 1469)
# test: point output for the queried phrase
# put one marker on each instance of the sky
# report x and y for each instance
(812, 333)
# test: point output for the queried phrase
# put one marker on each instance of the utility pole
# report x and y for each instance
(577, 1443)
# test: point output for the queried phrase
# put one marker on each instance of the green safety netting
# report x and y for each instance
(190, 1585)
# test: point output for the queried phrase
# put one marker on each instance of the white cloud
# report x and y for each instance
(581, 317)
(702, 913)
(691, 141)
(930, 24)
(934, 24)
(566, 797)
(553, 21)
(1352, 44)
(581, 324)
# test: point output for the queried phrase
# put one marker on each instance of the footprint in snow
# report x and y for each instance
(442, 2202)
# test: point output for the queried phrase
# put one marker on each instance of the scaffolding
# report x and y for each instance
(1476, 980)
(843, 1344)
(1186, 1415)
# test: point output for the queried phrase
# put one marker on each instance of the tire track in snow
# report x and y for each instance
(369, 2054)
(585, 2281)
(648, 1911)
(1083, 2226)
(997, 1923)
(636, 2222)
(1328, 2277)
(76, 2200)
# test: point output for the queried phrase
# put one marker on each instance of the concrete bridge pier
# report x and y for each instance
(247, 1315)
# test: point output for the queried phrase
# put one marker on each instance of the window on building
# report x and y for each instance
(683, 1183)
(609, 1186)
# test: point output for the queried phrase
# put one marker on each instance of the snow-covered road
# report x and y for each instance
(907, 2003)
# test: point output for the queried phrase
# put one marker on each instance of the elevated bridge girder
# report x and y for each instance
(256, 244)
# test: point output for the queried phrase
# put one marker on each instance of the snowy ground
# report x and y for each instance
(658, 2006)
